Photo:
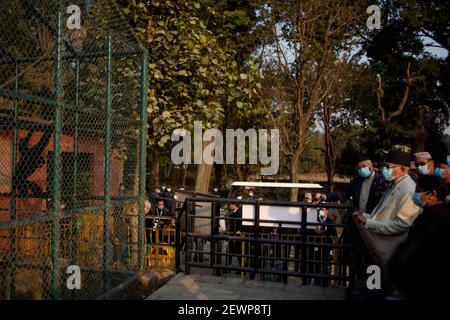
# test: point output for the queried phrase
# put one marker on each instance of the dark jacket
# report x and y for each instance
(154, 196)
(430, 215)
(236, 225)
(327, 227)
(161, 212)
(353, 191)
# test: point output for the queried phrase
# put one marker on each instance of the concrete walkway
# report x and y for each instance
(206, 287)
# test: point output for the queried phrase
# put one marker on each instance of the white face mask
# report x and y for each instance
(175, 197)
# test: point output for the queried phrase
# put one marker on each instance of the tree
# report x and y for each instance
(192, 75)
(308, 37)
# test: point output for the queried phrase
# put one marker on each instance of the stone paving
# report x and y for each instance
(206, 287)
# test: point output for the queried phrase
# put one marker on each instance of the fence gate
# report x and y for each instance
(73, 85)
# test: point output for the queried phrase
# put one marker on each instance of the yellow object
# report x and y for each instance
(161, 249)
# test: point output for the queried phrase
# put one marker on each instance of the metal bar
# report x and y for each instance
(47, 101)
(273, 202)
(13, 238)
(257, 241)
(75, 164)
(43, 218)
(87, 4)
(142, 156)
(303, 247)
(212, 242)
(178, 239)
(56, 183)
(87, 56)
(274, 272)
(188, 238)
(107, 175)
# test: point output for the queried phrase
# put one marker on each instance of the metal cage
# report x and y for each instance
(73, 137)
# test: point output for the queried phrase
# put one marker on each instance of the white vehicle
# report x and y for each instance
(276, 212)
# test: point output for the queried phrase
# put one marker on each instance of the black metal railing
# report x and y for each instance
(202, 242)
(285, 253)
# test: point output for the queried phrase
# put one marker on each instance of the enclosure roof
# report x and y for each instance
(276, 185)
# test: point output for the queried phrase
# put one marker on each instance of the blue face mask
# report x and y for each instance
(448, 161)
(364, 172)
(423, 170)
(438, 172)
(417, 201)
(387, 174)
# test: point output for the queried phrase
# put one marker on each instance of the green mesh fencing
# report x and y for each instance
(72, 148)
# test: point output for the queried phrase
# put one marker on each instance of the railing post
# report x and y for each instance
(13, 205)
(75, 164)
(256, 240)
(56, 181)
(188, 239)
(107, 173)
(215, 214)
(303, 248)
(177, 242)
(142, 156)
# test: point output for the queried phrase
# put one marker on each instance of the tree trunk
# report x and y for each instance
(155, 175)
(203, 178)
(295, 161)
(330, 156)
(183, 179)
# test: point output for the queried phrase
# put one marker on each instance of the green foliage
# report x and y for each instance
(407, 30)
(193, 76)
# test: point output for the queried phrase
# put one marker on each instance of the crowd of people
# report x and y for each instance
(160, 211)
(405, 206)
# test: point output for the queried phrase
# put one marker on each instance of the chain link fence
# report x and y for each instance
(72, 148)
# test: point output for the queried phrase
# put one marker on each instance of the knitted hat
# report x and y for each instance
(422, 156)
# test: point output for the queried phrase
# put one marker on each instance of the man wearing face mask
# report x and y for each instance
(155, 195)
(430, 195)
(364, 190)
(439, 152)
(251, 194)
(425, 164)
(391, 219)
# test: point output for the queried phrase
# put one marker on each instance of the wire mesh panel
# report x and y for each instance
(72, 141)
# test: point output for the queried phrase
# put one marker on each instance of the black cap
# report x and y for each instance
(398, 157)
(438, 151)
(360, 158)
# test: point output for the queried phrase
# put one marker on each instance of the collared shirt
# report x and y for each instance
(365, 191)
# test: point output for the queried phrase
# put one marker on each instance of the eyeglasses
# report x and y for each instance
(422, 163)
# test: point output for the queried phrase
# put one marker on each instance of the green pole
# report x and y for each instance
(13, 237)
(75, 164)
(142, 155)
(106, 230)
(87, 4)
(56, 182)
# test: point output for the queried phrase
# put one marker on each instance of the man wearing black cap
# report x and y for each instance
(365, 190)
(391, 219)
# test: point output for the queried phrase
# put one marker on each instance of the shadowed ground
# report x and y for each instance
(206, 287)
